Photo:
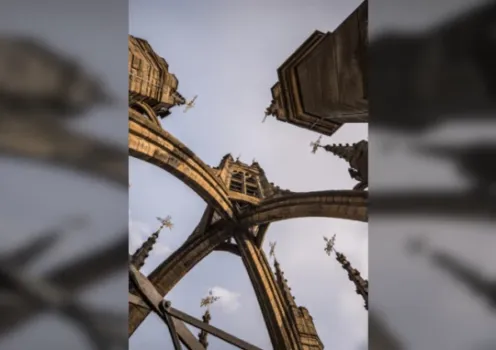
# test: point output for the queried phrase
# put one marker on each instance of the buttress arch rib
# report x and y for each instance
(341, 204)
(149, 142)
(335, 204)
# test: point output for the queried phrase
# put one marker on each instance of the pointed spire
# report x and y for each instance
(138, 259)
(202, 336)
(362, 285)
(272, 252)
(356, 155)
(206, 302)
(345, 152)
(298, 315)
(282, 282)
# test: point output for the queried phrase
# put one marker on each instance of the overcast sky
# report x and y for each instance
(227, 53)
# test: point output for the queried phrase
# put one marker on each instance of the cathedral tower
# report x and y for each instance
(151, 85)
(138, 259)
(244, 180)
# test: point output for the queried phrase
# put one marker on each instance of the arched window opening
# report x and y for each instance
(236, 184)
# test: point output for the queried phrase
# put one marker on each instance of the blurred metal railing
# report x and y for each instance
(33, 127)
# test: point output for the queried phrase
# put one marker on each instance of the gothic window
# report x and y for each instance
(252, 190)
(244, 183)
(252, 186)
(237, 176)
(251, 180)
(236, 187)
(236, 182)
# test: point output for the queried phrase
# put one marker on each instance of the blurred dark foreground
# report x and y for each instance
(40, 91)
(63, 165)
(432, 211)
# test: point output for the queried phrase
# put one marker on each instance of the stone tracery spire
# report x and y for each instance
(299, 315)
(283, 284)
(202, 336)
(345, 151)
(138, 259)
(362, 285)
(356, 155)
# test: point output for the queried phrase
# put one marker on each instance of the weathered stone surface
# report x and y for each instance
(241, 201)
(346, 204)
(150, 83)
(151, 143)
(357, 156)
(323, 84)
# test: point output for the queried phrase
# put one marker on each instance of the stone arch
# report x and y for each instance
(228, 248)
(149, 142)
(345, 204)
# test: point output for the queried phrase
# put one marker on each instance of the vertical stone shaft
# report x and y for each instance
(362, 286)
(283, 285)
(139, 257)
(308, 337)
(202, 336)
(282, 333)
